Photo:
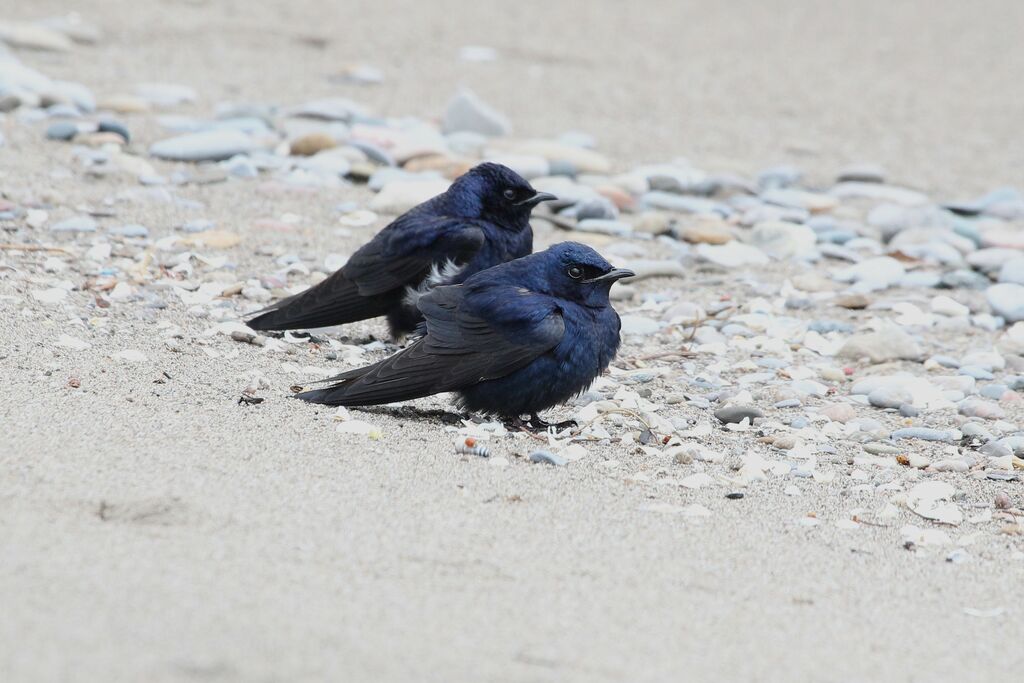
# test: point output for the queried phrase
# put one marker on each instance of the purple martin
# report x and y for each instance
(482, 220)
(510, 341)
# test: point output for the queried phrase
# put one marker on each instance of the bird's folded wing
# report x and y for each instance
(404, 252)
(459, 350)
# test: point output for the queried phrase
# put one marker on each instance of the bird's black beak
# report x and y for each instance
(537, 199)
(612, 275)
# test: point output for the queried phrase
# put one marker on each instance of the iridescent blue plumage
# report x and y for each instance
(512, 340)
(482, 220)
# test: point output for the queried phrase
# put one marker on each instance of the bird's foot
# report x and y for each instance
(540, 425)
(535, 424)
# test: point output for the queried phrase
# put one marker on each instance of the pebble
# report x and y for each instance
(889, 397)
(782, 240)
(731, 255)
(75, 224)
(548, 458)
(311, 143)
(166, 94)
(34, 37)
(923, 433)
(1012, 271)
(212, 145)
(468, 113)
(738, 413)
(1007, 300)
(839, 412)
(862, 173)
(983, 409)
(908, 410)
(115, 127)
(704, 232)
(639, 325)
(62, 130)
(876, 273)
(881, 347)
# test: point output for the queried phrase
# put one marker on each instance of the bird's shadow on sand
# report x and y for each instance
(416, 415)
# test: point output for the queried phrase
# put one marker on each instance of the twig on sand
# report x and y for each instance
(10, 246)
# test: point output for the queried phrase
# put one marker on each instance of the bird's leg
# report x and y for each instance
(536, 423)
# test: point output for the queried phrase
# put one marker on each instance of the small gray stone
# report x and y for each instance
(983, 409)
(889, 397)
(111, 126)
(993, 391)
(924, 433)
(735, 414)
(638, 324)
(75, 224)
(881, 347)
(1007, 300)
(211, 145)
(62, 130)
(862, 173)
(467, 112)
(548, 458)
(1013, 271)
(908, 410)
(975, 372)
(130, 230)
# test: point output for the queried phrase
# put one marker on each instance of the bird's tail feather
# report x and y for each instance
(334, 301)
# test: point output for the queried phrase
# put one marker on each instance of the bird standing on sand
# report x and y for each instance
(512, 340)
(482, 220)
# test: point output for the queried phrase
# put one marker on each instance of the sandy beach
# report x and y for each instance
(154, 529)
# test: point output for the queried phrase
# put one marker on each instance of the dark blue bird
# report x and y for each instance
(482, 220)
(512, 340)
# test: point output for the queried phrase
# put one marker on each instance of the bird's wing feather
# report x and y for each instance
(460, 349)
(374, 279)
(403, 253)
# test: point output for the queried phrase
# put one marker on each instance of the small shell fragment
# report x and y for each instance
(469, 446)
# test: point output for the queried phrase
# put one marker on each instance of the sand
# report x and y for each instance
(152, 529)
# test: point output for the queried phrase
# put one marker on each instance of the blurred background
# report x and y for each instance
(930, 89)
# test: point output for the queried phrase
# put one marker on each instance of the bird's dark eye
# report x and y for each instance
(510, 194)
(575, 272)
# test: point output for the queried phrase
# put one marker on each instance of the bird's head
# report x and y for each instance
(495, 193)
(576, 272)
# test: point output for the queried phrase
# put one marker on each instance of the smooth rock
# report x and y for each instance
(75, 224)
(311, 143)
(889, 397)
(166, 94)
(33, 37)
(862, 173)
(1013, 271)
(731, 255)
(62, 130)
(639, 325)
(467, 112)
(1007, 300)
(736, 414)
(213, 145)
(879, 192)
(781, 240)
(983, 409)
(883, 271)
(881, 347)
(839, 412)
(923, 433)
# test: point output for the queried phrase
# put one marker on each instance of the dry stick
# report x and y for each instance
(10, 246)
(538, 437)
